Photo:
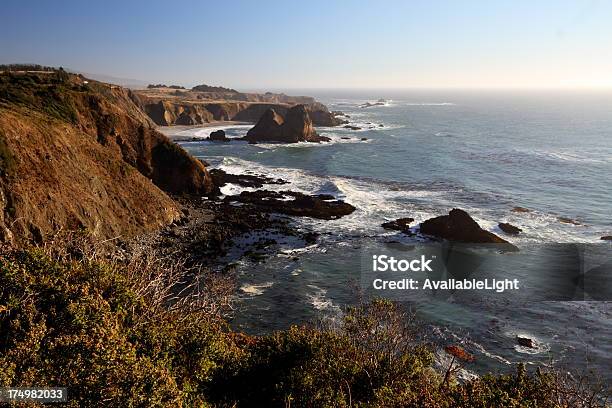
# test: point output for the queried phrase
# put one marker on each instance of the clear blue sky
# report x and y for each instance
(313, 44)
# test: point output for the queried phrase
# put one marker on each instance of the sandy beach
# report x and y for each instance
(175, 132)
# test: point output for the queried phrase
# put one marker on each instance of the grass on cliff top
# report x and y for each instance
(49, 93)
(115, 334)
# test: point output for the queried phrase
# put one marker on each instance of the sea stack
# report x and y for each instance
(268, 128)
(298, 125)
(458, 226)
(295, 127)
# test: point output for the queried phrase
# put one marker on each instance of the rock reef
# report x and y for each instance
(293, 203)
(221, 178)
(509, 228)
(218, 136)
(401, 224)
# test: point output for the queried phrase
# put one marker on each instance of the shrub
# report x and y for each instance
(100, 331)
(138, 331)
(51, 95)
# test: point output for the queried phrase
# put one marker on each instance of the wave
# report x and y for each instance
(320, 301)
(335, 139)
(378, 201)
(539, 346)
(255, 290)
(430, 104)
(199, 132)
(570, 156)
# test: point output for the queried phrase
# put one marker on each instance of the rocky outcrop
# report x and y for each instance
(218, 136)
(566, 220)
(293, 203)
(509, 228)
(380, 102)
(401, 224)
(268, 128)
(321, 116)
(458, 226)
(84, 156)
(525, 341)
(221, 178)
(298, 126)
(520, 210)
(295, 127)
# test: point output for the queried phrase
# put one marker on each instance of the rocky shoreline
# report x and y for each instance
(208, 226)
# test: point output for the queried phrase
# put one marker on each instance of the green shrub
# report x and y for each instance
(79, 324)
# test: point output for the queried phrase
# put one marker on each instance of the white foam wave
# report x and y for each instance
(319, 300)
(544, 227)
(570, 156)
(335, 139)
(234, 189)
(374, 202)
(205, 132)
(255, 290)
(539, 346)
(377, 202)
(429, 104)
(199, 132)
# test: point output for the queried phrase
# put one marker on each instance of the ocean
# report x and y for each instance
(428, 152)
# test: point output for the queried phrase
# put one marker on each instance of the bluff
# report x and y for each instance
(81, 154)
(167, 107)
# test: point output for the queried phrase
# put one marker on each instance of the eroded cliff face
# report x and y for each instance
(77, 154)
(195, 108)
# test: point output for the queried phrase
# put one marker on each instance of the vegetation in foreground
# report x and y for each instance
(119, 333)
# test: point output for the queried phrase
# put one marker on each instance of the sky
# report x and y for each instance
(320, 44)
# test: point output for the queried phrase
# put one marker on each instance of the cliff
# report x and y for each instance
(168, 107)
(80, 154)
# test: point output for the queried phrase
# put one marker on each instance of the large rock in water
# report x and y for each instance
(267, 129)
(295, 127)
(218, 136)
(298, 125)
(458, 226)
(509, 228)
(401, 224)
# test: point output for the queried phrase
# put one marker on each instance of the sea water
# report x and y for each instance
(482, 151)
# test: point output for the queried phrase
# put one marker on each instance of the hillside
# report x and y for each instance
(76, 153)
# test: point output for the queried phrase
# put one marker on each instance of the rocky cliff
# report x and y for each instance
(80, 154)
(166, 107)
